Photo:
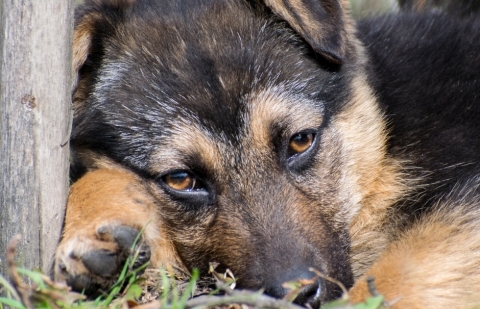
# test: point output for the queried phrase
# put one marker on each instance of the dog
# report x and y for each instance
(273, 137)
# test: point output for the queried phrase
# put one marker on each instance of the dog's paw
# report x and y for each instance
(92, 262)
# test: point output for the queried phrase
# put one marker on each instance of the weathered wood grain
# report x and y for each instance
(35, 83)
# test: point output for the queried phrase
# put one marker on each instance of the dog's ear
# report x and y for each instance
(85, 22)
(93, 21)
(322, 23)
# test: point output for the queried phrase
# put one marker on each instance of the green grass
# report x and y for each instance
(44, 293)
(160, 288)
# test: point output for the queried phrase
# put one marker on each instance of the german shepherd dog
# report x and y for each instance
(273, 137)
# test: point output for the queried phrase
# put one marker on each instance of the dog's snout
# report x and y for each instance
(310, 294)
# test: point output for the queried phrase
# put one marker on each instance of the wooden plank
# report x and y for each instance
(35, 85)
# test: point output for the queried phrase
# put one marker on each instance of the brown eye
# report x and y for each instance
(186, 189)
(181, 181)
(300, 143)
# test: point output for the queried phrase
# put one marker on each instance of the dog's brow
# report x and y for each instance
(293, 113)
(186, 140)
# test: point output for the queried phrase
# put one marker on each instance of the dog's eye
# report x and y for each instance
(184, 187)
(182, 181)
(299, 143)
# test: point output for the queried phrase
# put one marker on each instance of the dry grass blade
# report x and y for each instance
(334, 281)
(23, 290)
(44, 292)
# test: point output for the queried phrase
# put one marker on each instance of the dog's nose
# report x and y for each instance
(310, 294)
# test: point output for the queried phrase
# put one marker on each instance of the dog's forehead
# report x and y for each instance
(206, 60)
(213, 67)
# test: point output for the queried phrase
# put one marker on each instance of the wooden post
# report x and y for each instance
(35, 85)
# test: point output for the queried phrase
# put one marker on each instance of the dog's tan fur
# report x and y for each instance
(110, 197)
(432, 265)
(376, 178)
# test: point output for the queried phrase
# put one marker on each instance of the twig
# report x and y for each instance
(334, 281)
(372, 288)
(22, 289)
(225, 288)
(249, 298)
(240, 297)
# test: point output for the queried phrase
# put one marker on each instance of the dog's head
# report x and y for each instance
(250, 121)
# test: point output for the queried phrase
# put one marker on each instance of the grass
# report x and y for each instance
(153, 289)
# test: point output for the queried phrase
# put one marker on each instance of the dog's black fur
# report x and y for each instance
(425, 69)
(244, 56)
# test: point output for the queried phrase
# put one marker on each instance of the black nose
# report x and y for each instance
(310, 294)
